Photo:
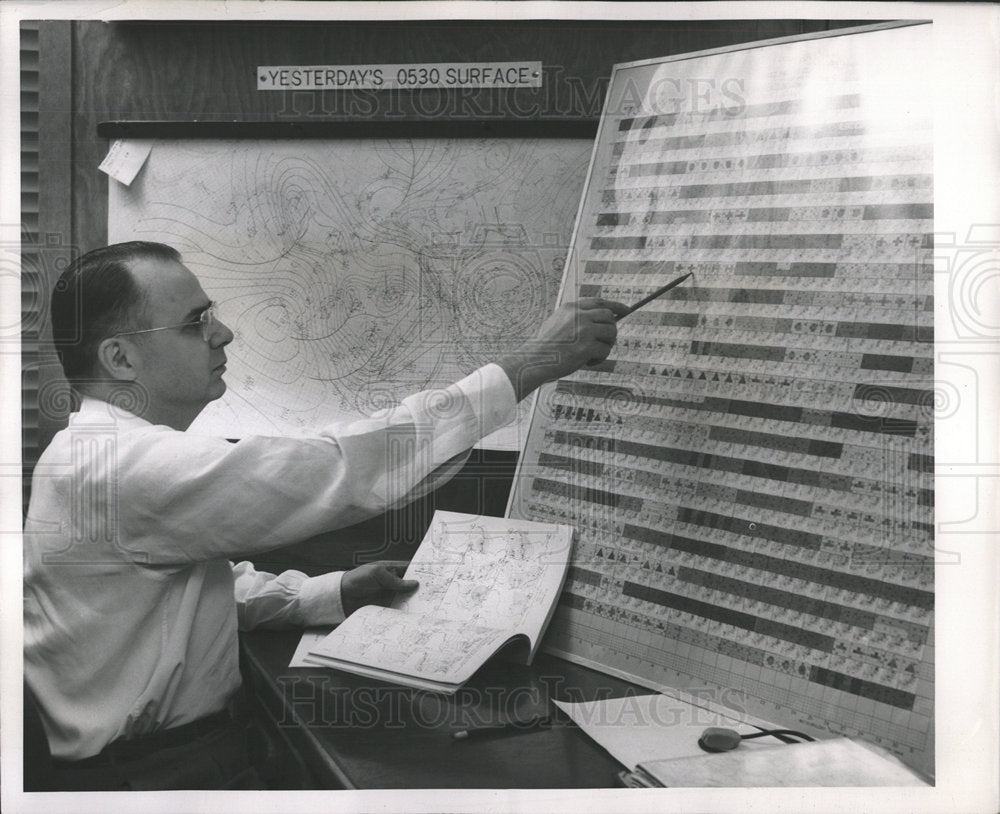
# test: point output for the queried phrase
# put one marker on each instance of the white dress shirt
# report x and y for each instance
(130, 622)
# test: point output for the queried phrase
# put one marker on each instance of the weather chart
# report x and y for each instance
(750, 473)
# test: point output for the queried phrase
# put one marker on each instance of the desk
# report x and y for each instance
(355, 733)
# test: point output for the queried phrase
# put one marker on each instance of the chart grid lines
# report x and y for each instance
(751, 471)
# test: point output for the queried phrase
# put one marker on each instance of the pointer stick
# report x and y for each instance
(654, 295)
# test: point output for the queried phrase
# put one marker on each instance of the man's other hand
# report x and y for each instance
(374, 583)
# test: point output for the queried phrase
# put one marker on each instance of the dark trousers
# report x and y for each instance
(212, 753)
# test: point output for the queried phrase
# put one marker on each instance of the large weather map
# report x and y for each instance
(355, 272)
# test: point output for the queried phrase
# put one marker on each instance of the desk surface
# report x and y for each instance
(364, 734)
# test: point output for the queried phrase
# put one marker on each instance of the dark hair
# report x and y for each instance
(95, 297)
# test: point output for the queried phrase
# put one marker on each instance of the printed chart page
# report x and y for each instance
(413, 649)
(490, 571)
(483, 580)
(751, 471)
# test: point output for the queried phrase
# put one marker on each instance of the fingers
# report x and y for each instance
(613, 308)
(374, 583)
(397, 584)
(371, 578)
(605, 332)
(386, 576)
(396, 566)
(600, 336)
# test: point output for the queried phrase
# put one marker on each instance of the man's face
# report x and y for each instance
(179, 370)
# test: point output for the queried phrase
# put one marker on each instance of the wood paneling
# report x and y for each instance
(46, 226)
(206, 71)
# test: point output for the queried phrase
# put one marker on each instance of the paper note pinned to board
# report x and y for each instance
(125, 159)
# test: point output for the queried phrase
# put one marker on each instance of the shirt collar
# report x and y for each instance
(97, 412)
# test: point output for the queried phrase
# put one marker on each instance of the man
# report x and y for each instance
(130, 618)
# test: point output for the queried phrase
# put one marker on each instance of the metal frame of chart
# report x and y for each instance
(750, 472)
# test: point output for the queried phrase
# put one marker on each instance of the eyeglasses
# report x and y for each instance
(206, 321)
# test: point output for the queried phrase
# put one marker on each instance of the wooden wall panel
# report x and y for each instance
(205, 71)
(46, 226)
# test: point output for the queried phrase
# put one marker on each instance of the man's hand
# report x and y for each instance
(577, 334)
(374, 583)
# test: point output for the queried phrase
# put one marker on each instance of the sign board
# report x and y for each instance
(405, 76)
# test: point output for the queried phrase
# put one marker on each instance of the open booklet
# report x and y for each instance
(485, 582)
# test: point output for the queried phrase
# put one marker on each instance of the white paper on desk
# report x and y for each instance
(639, 728)
(125, 159)
(310, 638)
(833, 762)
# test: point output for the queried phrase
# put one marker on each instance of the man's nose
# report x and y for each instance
(221, 334)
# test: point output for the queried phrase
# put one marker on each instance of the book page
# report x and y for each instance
(489, 571)
(482, 581)
(412, 644)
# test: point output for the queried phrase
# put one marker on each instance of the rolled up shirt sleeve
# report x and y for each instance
(289, 599)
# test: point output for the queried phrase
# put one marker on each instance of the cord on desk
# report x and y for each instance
(722, 739)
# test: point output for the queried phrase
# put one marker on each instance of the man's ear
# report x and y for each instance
(119, 358)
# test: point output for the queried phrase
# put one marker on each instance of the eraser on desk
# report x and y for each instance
(125, 158)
